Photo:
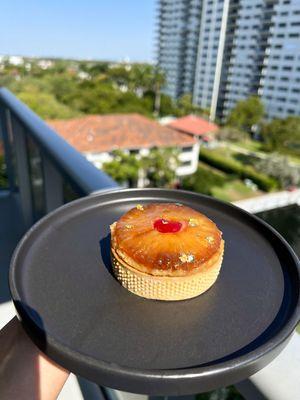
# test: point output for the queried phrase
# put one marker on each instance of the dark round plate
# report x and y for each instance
(82, 318)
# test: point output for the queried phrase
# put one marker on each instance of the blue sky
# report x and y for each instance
(97, 29)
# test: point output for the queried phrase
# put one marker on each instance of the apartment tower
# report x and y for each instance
(222, 51)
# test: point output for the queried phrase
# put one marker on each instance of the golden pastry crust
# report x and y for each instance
(197, 246)
(165, 287)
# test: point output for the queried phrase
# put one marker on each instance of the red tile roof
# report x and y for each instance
(100, 133)
(193, 125)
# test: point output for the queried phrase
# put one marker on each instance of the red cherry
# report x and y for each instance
(165, 226)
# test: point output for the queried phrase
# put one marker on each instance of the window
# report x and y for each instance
(186, 164)
(294, 35)
(295, 23)
(187, 149)
(287, 68)
(135, 151)
(284, 13)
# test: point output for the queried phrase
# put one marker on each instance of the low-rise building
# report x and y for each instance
(97, 136)
(197, 127)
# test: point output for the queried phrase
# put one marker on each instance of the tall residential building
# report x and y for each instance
(239, 48)
(280, 78)
(178, 30)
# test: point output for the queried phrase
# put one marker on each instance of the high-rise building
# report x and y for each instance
(280, 77)
(178, 31)
(222, 51)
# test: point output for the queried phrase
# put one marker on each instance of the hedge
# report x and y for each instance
(263, 181)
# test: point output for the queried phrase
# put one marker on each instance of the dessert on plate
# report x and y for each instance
(166, 251)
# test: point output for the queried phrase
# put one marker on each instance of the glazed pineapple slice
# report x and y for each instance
(167, 237)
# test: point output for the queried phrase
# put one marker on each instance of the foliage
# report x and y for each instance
(246, 114)
(279, 167)
(231, 166)
(3, 174)
(185, 106)
(160, 166)
(282, 135)
(94, 87)
(232, 134)
(46, 106)
(167, 106)
(124, 168)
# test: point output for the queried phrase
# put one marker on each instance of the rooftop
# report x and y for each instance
(100, 133)
(194, 125)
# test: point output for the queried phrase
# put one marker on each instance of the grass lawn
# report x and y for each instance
(234, 190)
(251, 145)
(230, 189)
(293, 158)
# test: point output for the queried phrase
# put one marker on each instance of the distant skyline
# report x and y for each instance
(78, 29)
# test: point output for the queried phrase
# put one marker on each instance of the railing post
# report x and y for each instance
(4, 133)
(24, 183)
(53, 185)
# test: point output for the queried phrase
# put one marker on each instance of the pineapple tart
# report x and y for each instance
(166, 251)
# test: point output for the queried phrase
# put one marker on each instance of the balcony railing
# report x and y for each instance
(42, 168)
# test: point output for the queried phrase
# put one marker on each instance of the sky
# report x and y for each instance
(83, 29)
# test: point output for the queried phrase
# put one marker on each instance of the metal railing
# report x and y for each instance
(42, 167)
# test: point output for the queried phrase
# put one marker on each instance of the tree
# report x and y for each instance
(3, 174)
(246, 114)
(46, 105)
(185, 106)
(167, 106)
(159, 82)
(232, 134)
(279, 167)
(282, 135)
(160, 166)
(124, 168)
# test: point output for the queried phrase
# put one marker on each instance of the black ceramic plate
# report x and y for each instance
(82, 318)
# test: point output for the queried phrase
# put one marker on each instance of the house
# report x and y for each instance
(16, 60)
(195, 126)
(97, 136)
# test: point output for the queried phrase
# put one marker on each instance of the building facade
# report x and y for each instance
(244, 47)
(178, 37)
(280, 78)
